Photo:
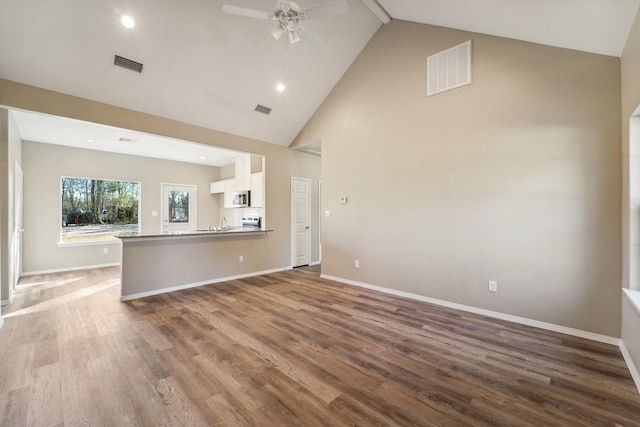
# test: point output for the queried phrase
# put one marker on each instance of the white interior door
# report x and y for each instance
(300, 222)
(16, 252)
(178, 207)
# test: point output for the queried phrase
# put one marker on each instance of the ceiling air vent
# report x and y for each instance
(129, 64)
(449, 69)
(262, 109)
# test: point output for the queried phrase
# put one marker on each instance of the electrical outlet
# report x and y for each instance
(241, 259)
(327, 214)
(356, 264)
(493, 286)
(105, 251)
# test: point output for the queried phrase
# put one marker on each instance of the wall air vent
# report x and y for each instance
(449, 69)
(129, 64)
(262, 109)
(127, 140)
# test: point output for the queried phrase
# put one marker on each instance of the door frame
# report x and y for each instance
(292, 226)
(15, 271)
(320, 222)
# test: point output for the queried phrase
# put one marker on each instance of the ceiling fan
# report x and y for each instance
(288, 16)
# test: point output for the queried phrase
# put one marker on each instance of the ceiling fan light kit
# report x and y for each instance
(288, 16)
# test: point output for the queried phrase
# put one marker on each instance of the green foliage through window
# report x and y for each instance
(96, 210)
(178, 206)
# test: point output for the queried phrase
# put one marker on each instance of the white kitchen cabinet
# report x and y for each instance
(243, 173)
(229, 189)
(257, 190)
(216, 187)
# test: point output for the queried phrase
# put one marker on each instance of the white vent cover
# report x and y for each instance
(449, 69)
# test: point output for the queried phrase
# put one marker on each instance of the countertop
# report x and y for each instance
(194, 233)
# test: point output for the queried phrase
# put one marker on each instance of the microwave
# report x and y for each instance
(240, 199)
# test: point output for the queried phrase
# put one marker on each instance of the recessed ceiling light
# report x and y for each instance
(91, 141)
(203, 158)
(128, 21)
(280, 87)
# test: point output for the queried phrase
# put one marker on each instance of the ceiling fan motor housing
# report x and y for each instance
(287, 16)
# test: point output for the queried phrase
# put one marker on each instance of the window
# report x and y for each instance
(95, 210)
(178, 206)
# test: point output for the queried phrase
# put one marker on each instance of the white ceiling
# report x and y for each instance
(201, 66)
(204, 67)
(596, 26)
(92, 136)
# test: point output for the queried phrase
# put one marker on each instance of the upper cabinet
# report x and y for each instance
(216, 187)
(257, 190)
(249, 176)
(243, 173)
(229, 189)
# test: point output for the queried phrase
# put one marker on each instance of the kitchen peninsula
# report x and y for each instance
(157, 263)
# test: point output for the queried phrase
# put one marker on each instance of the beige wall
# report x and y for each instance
(45, 164)
(210, 258)
(281, 163)
(515, 178)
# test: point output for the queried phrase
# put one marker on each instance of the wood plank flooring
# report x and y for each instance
(290, 349)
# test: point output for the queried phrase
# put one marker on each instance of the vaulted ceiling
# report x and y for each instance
(205, 67)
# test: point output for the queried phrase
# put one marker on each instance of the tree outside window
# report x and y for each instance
(97, 210)
(178, 206)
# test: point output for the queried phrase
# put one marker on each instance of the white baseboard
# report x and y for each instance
(10, 300)
(635, 374)
(62, 270)
(1, 322)
(516, 319)
(196, 284)
(314, 263)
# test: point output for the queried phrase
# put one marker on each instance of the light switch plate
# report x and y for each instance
(493, 286)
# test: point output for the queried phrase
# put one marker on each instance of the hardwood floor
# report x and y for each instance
(290, 349)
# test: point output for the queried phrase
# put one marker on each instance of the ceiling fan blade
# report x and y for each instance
(312, 40)
(269, 44)
(335, 7)
(243, 11)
